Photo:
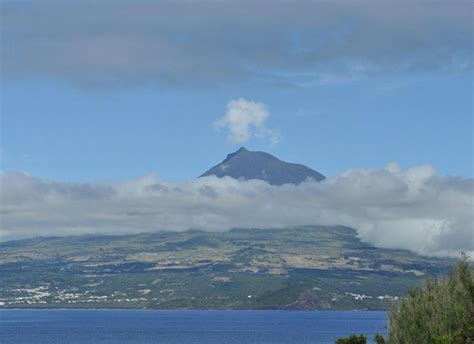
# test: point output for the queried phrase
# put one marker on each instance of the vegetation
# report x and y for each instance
(361, 339)
(379, 339)
(354, 339)
(440, 312)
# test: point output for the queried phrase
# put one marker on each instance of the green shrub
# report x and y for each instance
(440, 312)
(379, 339)
(354, 339)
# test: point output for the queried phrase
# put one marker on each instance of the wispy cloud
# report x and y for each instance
(191, 44)
(412, 209)
(245, 119)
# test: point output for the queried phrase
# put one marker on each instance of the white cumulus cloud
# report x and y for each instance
(410, 209)
(245, 119)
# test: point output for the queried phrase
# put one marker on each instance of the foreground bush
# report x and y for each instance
(353, 340)
(441, 312)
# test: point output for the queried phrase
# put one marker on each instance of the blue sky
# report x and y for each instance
(73, 110)
(96, 95)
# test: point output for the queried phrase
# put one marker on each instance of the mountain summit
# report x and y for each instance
(245, 164)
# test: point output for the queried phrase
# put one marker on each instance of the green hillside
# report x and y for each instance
(297, 268)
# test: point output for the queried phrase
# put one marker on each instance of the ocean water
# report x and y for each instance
(176, 327)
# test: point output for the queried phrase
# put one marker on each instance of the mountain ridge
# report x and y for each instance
(245, 164)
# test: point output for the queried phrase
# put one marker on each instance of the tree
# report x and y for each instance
(354, 339)
(442, 311)
(379, 339)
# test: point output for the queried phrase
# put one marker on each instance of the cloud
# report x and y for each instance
(244, 119)
(410, 209)
(195, 44)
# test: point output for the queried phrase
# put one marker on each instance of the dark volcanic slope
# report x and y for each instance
(260, 165)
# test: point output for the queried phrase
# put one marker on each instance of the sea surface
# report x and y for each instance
(176, 327)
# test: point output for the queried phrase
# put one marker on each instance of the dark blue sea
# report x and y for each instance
(176, 327)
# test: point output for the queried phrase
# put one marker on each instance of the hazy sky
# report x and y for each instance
(119, 89)
(376, 95)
